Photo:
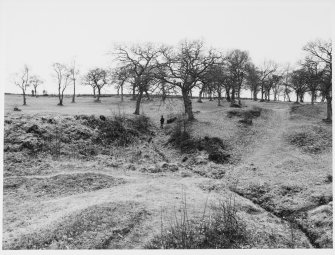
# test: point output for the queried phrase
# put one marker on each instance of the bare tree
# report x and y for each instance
(274, 85)
(63, 77)
(97, 78)
(21, 80)
(35, 81)
(140, 61)
(120, 76)
(286, 82)
(253, 80)
(298, 83)
(216, 77)
(237, 61)
(320, 52)
(266, 70)
(313, 77)
(74, 74)
(185, 67)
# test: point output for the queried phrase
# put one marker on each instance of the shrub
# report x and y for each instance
(181, 138)
(329, 178)
(311, 139)
(118, 130)
(221, 229)
(215, 148)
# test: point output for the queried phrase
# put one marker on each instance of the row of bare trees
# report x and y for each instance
(147, 68)
(190, 65)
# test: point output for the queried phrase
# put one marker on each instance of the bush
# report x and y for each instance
(221, 229)
(118, 130)
(311, 139)
(215, 148)
(181, 138)
(142, 124)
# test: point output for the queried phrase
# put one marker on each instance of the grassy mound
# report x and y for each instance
(59, 185)
(96, 227)
(81, 135)
(311, 139)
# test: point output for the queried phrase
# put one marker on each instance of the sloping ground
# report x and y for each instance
(292, 179)
(136, 187)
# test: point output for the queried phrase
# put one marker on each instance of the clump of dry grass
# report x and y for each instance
(311, 139)
(221, 228)
(96, 227)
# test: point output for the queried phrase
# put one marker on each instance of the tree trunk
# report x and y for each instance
(59, 96)
(313, 97)
(24, 98)
(35, 92)
(163, 94)
(122, 93)
(329, 108)
(262, 88)
(233, 94)
(98, 99)
(200, 95)
(187, 104)
(74, 92)
(138, 103)
(288, 96)
(297, 97)
(147, 94)
(255, 95)
(219, 97)
(60, 99)
(301, 98)
(228, 95)
(134, 95)
(239, 94)
(94, 92)
(275, 95)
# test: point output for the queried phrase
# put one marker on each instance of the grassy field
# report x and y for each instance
(68, 186)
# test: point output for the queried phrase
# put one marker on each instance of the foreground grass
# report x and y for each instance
(96, 227)
(219, 229)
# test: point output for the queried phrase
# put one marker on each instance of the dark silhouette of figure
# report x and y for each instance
(162, 121)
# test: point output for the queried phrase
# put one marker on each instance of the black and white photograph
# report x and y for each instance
(153, 125)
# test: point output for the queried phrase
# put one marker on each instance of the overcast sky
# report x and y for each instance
(40, 32)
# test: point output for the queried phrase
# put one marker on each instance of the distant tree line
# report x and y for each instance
(148, 69)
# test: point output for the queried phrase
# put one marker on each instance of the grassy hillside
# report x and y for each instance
(73, 180)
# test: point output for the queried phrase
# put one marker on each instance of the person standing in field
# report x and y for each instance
(162, 121)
